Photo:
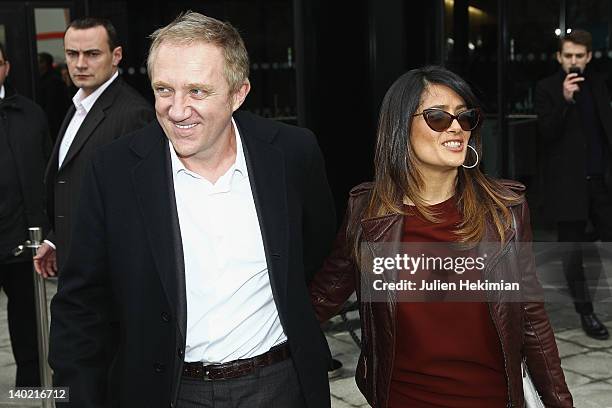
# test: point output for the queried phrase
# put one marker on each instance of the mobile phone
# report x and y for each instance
(575, 70)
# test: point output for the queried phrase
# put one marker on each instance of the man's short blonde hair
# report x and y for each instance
(192, 27)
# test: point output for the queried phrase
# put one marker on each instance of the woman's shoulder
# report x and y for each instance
(359, 197)
(362, 189)
(515, 186)
(511, 192)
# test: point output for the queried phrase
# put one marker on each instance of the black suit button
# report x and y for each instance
(181, 353)
(159, 367)
(165, 317)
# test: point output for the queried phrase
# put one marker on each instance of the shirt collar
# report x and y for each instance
(2, 92)
(82, 102)
(239, 165)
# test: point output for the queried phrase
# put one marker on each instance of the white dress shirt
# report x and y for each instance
(83, 105)
(231, 313)
(2, 92)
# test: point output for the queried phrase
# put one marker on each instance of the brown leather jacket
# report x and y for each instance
(523, 328)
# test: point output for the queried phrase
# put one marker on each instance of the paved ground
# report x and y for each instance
(587, 362)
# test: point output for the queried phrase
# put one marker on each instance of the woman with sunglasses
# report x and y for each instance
(428, 188)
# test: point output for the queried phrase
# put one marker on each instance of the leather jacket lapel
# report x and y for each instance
(382, 237)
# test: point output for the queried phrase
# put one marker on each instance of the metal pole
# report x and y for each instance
(563, 18)
(42, 319)
(502, 71)
(440, 56)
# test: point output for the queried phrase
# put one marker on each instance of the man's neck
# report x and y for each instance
(88, 91)
(214, 163)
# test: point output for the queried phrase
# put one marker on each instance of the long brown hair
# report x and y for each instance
(396, 169)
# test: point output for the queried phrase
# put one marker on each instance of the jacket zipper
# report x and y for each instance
(501, 343)
(391, 366)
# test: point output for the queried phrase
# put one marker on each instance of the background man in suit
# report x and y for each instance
(24, 150)
(104, 109)
(575, 127)
(198, 234)
(52, 93)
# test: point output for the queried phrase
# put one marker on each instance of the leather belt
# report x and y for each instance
(236, 368)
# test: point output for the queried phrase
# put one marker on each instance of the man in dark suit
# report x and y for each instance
(575, 128)
(103, 109)
(24, 150)
(197, 236)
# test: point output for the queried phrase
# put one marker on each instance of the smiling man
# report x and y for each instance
(104, 108)
(197, 234)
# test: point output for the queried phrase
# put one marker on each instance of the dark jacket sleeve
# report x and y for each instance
(81, 334)
(139, 115)
(552, 110)
(47, 146)
(540, 348)
(33, 158)
(319, 224)
(336, 280)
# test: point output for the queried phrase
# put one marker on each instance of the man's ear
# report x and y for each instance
(589, 56)
(117, 56)
(240, 95)
(559, 59)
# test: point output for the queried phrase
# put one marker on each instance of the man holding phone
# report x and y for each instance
(575, 130)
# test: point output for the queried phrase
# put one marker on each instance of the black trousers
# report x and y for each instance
(16, 279)
(274, 386)
(600, 215)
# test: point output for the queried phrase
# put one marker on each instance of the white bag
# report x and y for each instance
(532, 398)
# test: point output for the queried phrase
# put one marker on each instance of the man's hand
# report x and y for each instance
(570, 85)
(45, 261)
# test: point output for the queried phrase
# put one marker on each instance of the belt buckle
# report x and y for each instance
(206, 373)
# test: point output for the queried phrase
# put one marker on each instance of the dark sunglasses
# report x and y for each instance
(439, 120)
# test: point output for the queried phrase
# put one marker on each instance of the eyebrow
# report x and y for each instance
(204, 87)
(159, 83)
(192, 85)
(89, 50)
(447, 106)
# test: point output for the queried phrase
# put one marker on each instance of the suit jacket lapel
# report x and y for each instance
(53, 161)
(153, 182)
(266, 167)
(154, 188)
(92, 120)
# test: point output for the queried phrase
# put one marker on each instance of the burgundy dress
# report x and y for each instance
(448, 354)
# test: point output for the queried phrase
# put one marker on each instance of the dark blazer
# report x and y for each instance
(562, 145)
(118, 111)
(25, 126)
(125, 266)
